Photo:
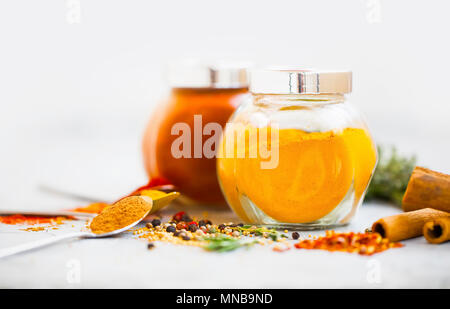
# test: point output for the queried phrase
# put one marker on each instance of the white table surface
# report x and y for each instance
(125, 262)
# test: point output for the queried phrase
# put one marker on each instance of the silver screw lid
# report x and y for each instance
(296, 81)
(198, 74)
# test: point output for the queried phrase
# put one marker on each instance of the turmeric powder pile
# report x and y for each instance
(121, 214)
(316, 171)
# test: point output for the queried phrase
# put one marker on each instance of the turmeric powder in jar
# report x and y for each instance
(202, 98)
(296, 154)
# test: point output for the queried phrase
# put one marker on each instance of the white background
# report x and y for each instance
(76, 93)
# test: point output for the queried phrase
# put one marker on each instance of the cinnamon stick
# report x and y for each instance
(406, 225)
(437, 231)
(427, 189)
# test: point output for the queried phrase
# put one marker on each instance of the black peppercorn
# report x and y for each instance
(171, 229)
(295, 235)
(186, 218)
(150, 246)
(156, 222)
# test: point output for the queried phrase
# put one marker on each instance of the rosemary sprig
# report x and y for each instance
(391, 176)
(223, 243)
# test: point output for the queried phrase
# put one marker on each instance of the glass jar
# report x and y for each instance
(296, 154)
(201, 94)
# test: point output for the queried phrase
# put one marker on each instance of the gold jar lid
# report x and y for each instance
(297, 81)
(200, 74)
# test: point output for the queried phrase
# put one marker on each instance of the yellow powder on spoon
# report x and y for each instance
(121, 214)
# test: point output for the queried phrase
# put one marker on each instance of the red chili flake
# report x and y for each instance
(361, 243)
(32, 220)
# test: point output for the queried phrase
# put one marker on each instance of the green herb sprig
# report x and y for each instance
(391, 176)
(223, 243)
(260, 231)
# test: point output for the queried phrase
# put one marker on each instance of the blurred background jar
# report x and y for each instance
(296, 154)
(200, 93)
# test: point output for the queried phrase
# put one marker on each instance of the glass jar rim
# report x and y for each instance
(299, 81)
(193, 73)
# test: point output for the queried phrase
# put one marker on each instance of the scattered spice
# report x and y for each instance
(295, 235)
(260, 231)
(171, 229)
(156, 222)
(32, 220)
(150, 246)
(35, 229)
(203, 233)
(181, 226)
(121, 214)
(181, 216)
(186, 218)
(361, 243)
(204, 222)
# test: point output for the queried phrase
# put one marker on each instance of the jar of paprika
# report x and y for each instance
(180, 140)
